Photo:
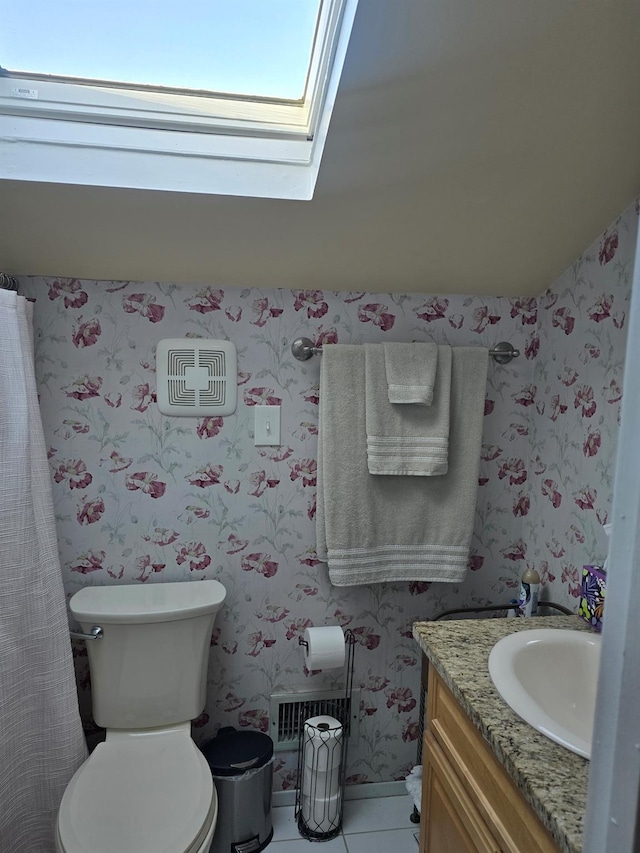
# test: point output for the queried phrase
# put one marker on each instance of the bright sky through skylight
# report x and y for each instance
(251, 47)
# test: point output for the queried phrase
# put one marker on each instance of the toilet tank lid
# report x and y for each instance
(156, 602)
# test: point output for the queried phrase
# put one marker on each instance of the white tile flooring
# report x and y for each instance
(375, 825)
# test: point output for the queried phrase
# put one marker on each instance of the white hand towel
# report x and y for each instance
(409, 440)
(411, 372)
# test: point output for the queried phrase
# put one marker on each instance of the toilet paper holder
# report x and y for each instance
(322, 761)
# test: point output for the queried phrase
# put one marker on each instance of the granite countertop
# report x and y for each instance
(552, 779)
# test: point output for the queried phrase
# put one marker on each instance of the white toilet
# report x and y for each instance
(147, 788)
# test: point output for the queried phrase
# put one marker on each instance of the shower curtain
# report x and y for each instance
(41, 739)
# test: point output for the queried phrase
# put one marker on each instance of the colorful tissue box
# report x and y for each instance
(594, 582)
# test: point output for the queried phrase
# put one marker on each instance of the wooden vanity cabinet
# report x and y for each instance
(469, 803)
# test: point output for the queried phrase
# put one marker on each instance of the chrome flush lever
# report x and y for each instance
(96, 634)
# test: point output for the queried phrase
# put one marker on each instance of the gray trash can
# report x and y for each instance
(242, 769)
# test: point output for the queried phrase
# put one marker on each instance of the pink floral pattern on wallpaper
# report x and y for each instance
(574, 425)
(141, 498)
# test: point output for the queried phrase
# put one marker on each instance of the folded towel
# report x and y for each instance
(411, 372)
(407, 440)
(377, 529)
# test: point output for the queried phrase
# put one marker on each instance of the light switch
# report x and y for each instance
(267, 425)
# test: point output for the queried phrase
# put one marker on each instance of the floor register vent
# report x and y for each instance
(288, 711)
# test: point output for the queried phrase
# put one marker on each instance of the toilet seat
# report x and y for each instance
(139, 792)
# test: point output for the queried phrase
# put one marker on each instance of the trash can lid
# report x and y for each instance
(232, 753)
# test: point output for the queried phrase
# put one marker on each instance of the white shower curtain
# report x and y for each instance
(41, 740)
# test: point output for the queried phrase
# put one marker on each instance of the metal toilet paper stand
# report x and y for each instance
(322, 762)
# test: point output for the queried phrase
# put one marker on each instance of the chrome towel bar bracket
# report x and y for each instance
(96, 633)
(303, 349)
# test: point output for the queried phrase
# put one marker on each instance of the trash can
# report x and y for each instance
(242, 769)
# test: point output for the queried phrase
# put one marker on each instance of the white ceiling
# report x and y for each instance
(477, 146)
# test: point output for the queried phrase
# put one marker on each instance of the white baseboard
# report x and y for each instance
(352, 792)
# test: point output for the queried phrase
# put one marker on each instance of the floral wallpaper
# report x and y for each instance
(575, 399)
(141, 497)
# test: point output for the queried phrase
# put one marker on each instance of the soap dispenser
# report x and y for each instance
(529, 592)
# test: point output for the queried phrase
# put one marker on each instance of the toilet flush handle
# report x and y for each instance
(95, 634)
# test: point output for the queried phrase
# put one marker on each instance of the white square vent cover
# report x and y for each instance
(196, 377)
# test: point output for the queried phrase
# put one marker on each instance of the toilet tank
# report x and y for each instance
(150, 667)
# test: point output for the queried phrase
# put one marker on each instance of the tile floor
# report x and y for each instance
(375, 825)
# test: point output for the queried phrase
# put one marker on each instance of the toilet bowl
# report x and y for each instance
(147, 788)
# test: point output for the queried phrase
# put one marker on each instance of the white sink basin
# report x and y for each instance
(549, 678)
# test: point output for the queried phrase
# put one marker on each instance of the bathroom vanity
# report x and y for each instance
(491, 783)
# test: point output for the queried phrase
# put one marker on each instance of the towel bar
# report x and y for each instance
(303, 349)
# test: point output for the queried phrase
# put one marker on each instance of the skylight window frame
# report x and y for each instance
(147, 106)
(58, 116)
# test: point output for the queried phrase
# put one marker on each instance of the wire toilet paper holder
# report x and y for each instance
(322, 762)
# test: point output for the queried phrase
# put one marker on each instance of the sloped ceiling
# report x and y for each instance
(477, 146)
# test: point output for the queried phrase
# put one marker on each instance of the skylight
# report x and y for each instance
(252, 48)
(231, 97)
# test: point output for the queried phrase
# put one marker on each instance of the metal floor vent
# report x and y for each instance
(196, 377)
(288, 711)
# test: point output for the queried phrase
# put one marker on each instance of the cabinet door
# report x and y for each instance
(450, 823)
(485, 784)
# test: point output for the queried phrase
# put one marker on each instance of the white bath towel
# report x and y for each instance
(411, 372)
(409, 440)
(375, 529)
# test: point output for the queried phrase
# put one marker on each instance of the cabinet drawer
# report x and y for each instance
(505, 811)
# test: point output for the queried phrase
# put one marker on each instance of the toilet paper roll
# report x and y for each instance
(322, 743)
(323, 726)
(320, 784)
(321, 815)
(325, 647)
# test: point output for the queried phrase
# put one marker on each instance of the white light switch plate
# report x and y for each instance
(267, 425)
